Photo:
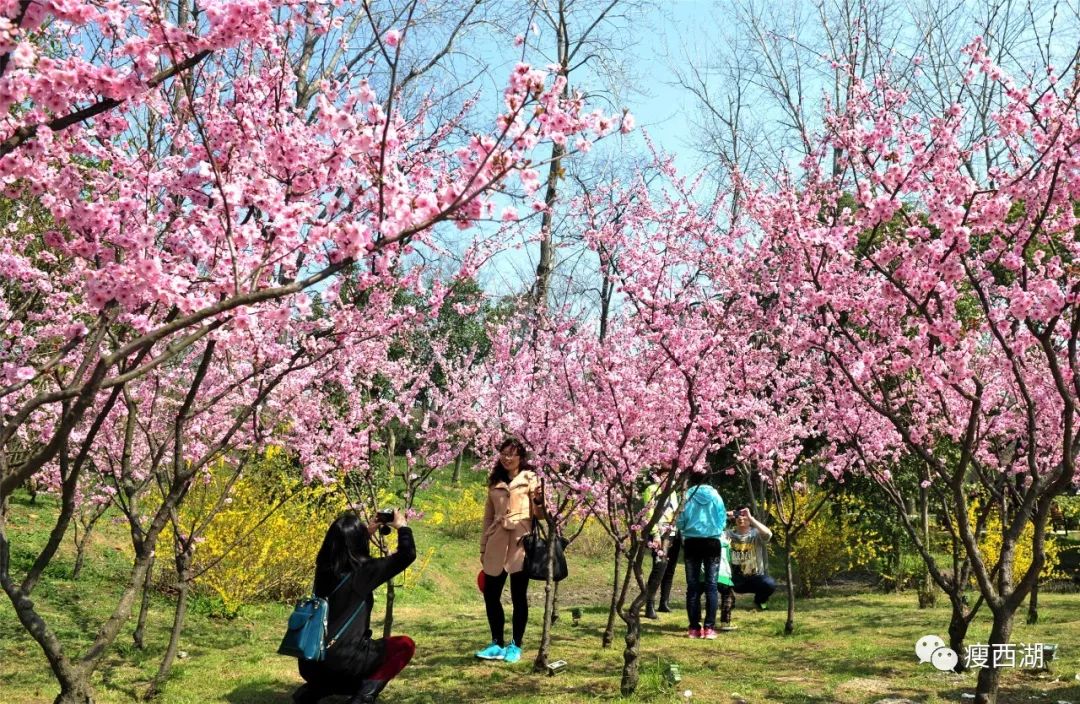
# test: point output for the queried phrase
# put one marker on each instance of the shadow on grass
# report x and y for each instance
(264, 692)
(1018, 692)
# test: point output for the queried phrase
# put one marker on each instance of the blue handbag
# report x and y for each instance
(305, 636)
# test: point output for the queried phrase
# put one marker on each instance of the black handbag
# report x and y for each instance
(536, 555)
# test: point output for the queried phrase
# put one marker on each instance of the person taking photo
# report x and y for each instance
(750, 558)
(356, 665)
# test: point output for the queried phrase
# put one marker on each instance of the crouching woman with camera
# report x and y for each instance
(356, 665)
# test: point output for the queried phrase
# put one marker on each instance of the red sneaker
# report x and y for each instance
(693, 633)
(708, 634)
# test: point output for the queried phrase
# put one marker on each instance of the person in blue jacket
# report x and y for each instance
(701, 524)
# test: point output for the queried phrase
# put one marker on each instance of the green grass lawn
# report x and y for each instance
(850, 646)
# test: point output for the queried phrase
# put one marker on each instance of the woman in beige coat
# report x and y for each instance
(514, 499)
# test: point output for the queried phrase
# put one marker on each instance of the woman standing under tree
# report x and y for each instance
(702, 523)
(513, 500)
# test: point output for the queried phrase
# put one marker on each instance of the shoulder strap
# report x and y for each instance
(345, 626)
(341, 584)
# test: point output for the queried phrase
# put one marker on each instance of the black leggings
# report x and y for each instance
(519, 596)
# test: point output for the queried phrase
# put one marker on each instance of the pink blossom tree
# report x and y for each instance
(945, 304)
(192, 209)
(672, 377)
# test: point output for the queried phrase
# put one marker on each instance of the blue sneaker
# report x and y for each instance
(512, 653)
(493, 652)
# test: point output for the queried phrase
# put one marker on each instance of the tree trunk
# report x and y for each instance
(555, 606)
(456, 479)
(927, 589)
(391, 448)
(789, 625)
(80, 555)
(630, 654)
(74, 682)
(541, 662)
(959, 621)
(388, 619)
(609, 631)
(183, 571)
(896, 560)
(632, 617)
(69, 486)
(986, 688)
(140, 627)
(75, 694)
(547, 247)
(81, 544)
(748, 474)
(391, 452)
(1033, 605)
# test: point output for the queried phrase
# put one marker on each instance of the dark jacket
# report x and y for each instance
(355, 654)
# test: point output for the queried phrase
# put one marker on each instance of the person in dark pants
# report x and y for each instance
(749, 558)
(356, 665)
(662, 536)
(669, 573)
(702, 524)
(514, 498)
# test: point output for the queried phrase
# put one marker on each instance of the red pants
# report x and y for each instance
(399, 651)
(347, 670)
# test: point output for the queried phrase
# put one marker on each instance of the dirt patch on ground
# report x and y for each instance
(863, 686)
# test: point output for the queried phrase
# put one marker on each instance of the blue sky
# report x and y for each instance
(660, 106)
(665, 111)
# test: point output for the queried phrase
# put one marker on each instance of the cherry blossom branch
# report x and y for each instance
(27, 132)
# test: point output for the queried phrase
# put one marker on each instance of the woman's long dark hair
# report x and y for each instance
(499, 473)
(345, 547)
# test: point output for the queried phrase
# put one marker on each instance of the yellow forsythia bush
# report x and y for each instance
(990, 547)
(828, 545)
(262, 545)
(458, 515)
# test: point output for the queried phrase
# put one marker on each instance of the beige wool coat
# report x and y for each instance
(508, 517)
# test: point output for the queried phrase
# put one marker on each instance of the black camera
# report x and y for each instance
(382, 517)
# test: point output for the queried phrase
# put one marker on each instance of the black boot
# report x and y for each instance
(368, 692)
(663, 608)
(650, 612)
(306, 694)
